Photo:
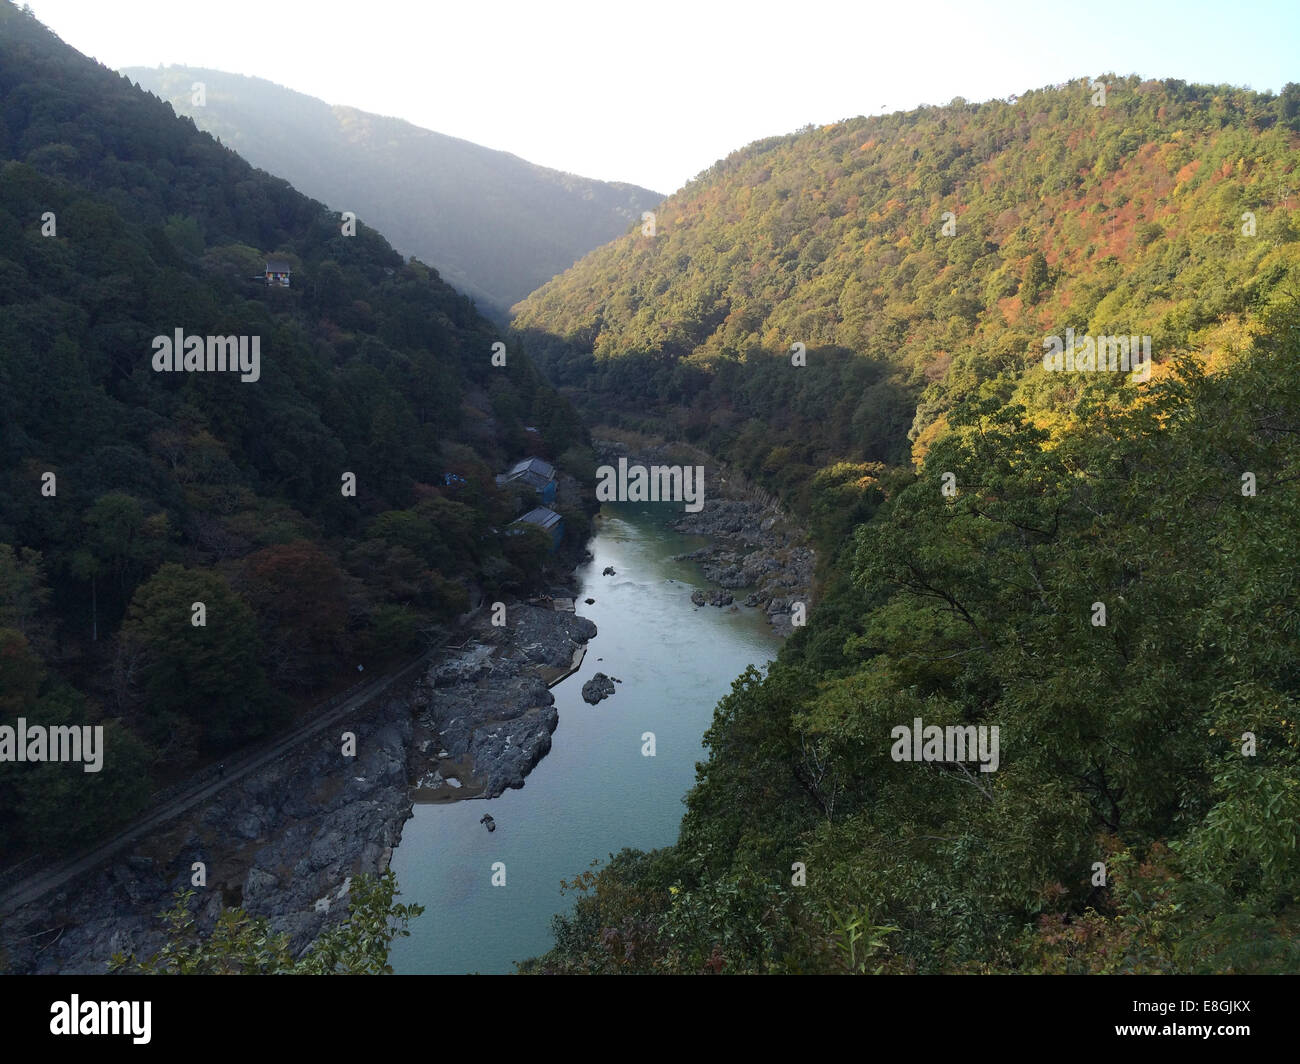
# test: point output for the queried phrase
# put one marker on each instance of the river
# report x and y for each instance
(595, 792)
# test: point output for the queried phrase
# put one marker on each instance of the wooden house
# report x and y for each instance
(277, 273)
(547, 520)
(534, 473)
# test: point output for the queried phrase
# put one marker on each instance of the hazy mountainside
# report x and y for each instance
(1091, 573)
(129, 494)
(493, 224)
(1117, 219)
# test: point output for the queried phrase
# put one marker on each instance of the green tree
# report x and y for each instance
(23, 592)
(1035, 278)
(205, 676)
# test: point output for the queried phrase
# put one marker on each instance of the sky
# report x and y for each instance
(655, 93)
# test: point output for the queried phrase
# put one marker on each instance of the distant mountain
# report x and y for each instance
(495, 225)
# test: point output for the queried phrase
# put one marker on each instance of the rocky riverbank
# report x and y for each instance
(285, 841)
(756, 548)
(756, 551)
(488, 716)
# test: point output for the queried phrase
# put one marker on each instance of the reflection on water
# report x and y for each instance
(594, 793)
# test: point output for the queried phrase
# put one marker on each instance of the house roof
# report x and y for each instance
(533, 465)
(277, 266)
(541, 517)
(534, 472)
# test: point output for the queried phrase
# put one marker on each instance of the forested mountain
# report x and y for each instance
(1098, 565)
(921, 255)
(129, 494)
(496, 226)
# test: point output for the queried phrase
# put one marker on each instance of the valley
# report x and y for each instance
(875, 556)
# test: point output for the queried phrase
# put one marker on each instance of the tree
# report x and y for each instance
(526, 548)
(203, 675)
(297, 591)
(53, 803)
(120, 542)
(21, 674)
(23, 594)
(1035, 278)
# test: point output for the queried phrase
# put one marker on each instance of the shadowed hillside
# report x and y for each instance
(302, 499)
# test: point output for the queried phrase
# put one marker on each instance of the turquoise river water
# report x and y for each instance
(595, 792)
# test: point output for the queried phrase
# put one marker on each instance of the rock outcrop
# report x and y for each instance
(489, 708)
(283, 842)
(599, 687)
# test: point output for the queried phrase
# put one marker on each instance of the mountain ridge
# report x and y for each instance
(935, 248)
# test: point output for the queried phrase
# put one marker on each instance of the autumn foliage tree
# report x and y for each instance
(297, 592)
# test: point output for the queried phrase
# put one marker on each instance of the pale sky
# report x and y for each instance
(655, 93)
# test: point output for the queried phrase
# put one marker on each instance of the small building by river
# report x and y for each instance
(547, 520)
(536, 473)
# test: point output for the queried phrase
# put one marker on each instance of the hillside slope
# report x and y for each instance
(922, 254)
(302, 500)
(495, 225)
(1084, 581)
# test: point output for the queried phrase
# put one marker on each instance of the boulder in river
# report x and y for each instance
(598, 687)
(486, 818)
(607, 571)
